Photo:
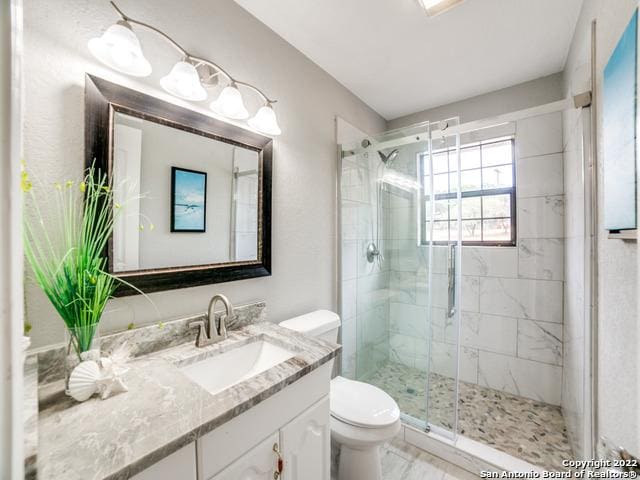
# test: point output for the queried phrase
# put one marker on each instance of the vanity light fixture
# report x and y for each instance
(436, 7)
(183, 81)
(265, 121)
(120, 49)
(229, 103)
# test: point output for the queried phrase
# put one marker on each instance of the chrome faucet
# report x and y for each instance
(208, 331)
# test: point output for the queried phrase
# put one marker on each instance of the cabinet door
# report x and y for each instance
(306, 444)
(179, 465)
(259, 463)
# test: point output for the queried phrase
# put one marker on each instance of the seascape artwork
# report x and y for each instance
(188, 200)
(619, 131)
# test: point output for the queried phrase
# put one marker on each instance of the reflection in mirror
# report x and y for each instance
(200, 195)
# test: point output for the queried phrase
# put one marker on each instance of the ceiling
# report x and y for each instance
(399, 61)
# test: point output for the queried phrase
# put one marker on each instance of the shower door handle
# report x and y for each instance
(451, 272)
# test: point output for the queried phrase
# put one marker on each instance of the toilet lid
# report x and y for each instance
(361, 404)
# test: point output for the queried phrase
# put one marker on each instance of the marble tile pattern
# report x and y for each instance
(402, 461)
(507, 293)
(365, 290)
(30, 409)
(575, 387)
(532, 431)
(147, 339)
(163, 410)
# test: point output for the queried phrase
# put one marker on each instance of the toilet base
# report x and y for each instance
(359, 464)
(360, 449)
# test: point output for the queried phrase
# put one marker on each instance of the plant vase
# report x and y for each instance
(83, 343)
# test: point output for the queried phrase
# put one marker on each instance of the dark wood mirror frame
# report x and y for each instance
(102, 100)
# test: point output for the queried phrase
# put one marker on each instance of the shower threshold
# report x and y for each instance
(526, 430)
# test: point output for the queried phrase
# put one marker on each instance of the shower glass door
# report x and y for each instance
(400, 269)
(441, 227)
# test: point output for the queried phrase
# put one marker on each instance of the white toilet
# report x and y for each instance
(363, 417)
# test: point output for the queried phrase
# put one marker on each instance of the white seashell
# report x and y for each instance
(83, 381)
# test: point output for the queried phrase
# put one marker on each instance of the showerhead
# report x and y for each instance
(387, 158)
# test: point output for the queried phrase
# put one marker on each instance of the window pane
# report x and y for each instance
(427, 232)
(441, 183)
(453, 182)
(453, 208)
(471, 207)
(470, 158)
(471, 231)
(425, 164)
(483, 167)
(453, 160)
(440, 231)
(440, 163)
(453, 230)
(440, 210)
(496, 206)
(497, 154)
(497, 177)
(471, 180)
(496, 230)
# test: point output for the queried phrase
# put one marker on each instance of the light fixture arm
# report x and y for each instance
(188, 56)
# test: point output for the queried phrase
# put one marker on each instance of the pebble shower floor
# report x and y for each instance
(530, 430)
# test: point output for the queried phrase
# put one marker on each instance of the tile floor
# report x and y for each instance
(527, 429)
(401, 461)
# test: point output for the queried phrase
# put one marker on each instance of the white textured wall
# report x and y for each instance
(162, 148)
(518, 97)
(618, 325)
(304, 178)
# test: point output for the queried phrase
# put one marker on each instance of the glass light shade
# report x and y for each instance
(229, 104)
(265, 121)
(436, 7)
(120, 49)
(183, 82)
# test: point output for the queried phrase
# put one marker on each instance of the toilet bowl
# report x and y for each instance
(363, 417)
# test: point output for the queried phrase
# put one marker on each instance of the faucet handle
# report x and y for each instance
(202, 338)
(222, 326)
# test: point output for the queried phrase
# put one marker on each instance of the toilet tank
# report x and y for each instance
(322, 324)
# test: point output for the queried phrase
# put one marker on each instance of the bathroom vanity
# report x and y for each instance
(256, 403)
(267, 439)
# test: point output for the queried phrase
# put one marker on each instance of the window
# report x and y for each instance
(487, 179)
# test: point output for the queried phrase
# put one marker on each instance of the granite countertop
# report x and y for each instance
(163, 410)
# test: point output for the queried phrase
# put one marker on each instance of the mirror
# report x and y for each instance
(199, 194)
(194, 191)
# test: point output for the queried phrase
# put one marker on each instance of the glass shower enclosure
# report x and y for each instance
(400, 209)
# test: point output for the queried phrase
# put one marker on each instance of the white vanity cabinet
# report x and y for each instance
(305, 443)
(179, 465)
(259, 463)
(296, 420)
(302, 446)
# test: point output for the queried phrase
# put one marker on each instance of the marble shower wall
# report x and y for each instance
(576, 335)
(512, 297)
(364, 294)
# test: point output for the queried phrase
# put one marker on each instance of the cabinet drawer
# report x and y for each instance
(259, 463)
(180, 464)
(228, 442)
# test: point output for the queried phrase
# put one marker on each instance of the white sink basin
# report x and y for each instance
(221, 371)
